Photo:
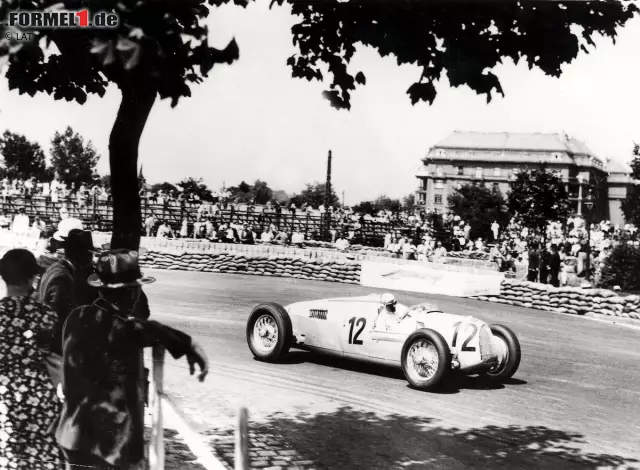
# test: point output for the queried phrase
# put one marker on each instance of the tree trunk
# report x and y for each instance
(136, 104)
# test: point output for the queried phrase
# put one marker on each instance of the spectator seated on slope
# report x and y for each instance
(342, 243)
(282, 238)
(297, 239)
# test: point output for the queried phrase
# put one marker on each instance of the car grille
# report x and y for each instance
(486, 345)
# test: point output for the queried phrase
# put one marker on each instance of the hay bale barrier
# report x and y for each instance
(344, 271)
(572, 300)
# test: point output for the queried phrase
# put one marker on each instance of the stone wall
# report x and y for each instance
(572, 300)
(262, 265)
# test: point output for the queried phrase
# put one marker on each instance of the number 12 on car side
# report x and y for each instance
(359, 324)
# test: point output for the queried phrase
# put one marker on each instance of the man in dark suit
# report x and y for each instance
(102, 421)
(534, 263)
(63, 285)
(554, 266)
(544, 264)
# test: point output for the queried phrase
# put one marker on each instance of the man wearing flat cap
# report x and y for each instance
(102, 421)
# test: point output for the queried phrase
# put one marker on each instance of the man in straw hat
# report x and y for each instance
(102, 422)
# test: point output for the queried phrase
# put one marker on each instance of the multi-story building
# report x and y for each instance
(493, 159)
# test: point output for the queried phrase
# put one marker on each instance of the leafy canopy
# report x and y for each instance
(73, 161)
(631, 204)
(622, 268)
(195, 187)
(165, 41)
(537, 197)
(259, 192)
(385, 203)
(480, 207)
(313, 194)
(464, 40)
(22, 159)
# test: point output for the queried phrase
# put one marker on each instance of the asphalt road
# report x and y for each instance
(574, 403)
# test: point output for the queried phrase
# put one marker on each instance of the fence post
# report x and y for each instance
(242, 441)
(156, 447)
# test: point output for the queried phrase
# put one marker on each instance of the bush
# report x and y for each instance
(622, 268)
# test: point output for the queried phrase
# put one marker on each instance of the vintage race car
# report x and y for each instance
(424, 341)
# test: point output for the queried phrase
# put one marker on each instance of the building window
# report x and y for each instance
(422, 198)
(460, 170)
(438, 199)
(439, 171)
(496, 172)
(424, 184)
(478, 172)
(496, 187)
(439, 184)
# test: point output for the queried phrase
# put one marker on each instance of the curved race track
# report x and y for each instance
(573, 404)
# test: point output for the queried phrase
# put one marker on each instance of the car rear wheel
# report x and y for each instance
(269, 332)
(509, 353)
(426, 358)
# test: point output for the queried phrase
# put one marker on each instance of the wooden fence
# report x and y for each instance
(98, 214)
(157, 399)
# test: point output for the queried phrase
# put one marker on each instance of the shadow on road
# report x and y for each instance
(453, 384)
(352, 439)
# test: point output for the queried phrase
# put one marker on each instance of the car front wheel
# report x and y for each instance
(269, 332)
(426, 358)
(509, 353)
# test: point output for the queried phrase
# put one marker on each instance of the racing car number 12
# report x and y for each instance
(360, 323)
(474, 330)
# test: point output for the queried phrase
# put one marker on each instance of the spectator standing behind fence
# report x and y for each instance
(21, 222)
(28, 400)
(63, 286)
(554, 266)
(149, 223)
(102, 421)
(534, 263)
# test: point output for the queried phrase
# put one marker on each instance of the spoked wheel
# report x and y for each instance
(425, 359)
(269, 332)
(509, 354)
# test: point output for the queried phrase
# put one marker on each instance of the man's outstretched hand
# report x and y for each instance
(199, 357)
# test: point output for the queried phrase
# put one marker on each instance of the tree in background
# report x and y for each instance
(73, 161)
(192, 186)
(409, 203)
(631, 203)
(241, 193)
(385, 203)
(164, 187)
(537, 197)
(22, 159)
(259, 192)
(313, 194)
(105, 182)
(262, 193)
(479, 207)
(621, 268)
(159, 48)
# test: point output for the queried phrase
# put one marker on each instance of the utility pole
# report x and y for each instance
(343, 198)
(327, 197)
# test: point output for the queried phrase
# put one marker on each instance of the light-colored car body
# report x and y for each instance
(345, 327)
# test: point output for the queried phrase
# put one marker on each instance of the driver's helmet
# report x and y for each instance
(388, 300)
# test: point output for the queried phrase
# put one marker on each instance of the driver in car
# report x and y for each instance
(387, 316)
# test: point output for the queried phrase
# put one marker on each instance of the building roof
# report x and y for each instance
(515, 141)
(614, 166)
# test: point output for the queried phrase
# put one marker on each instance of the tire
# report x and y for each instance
(510, 366)
(442, 352)
(271, 315)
